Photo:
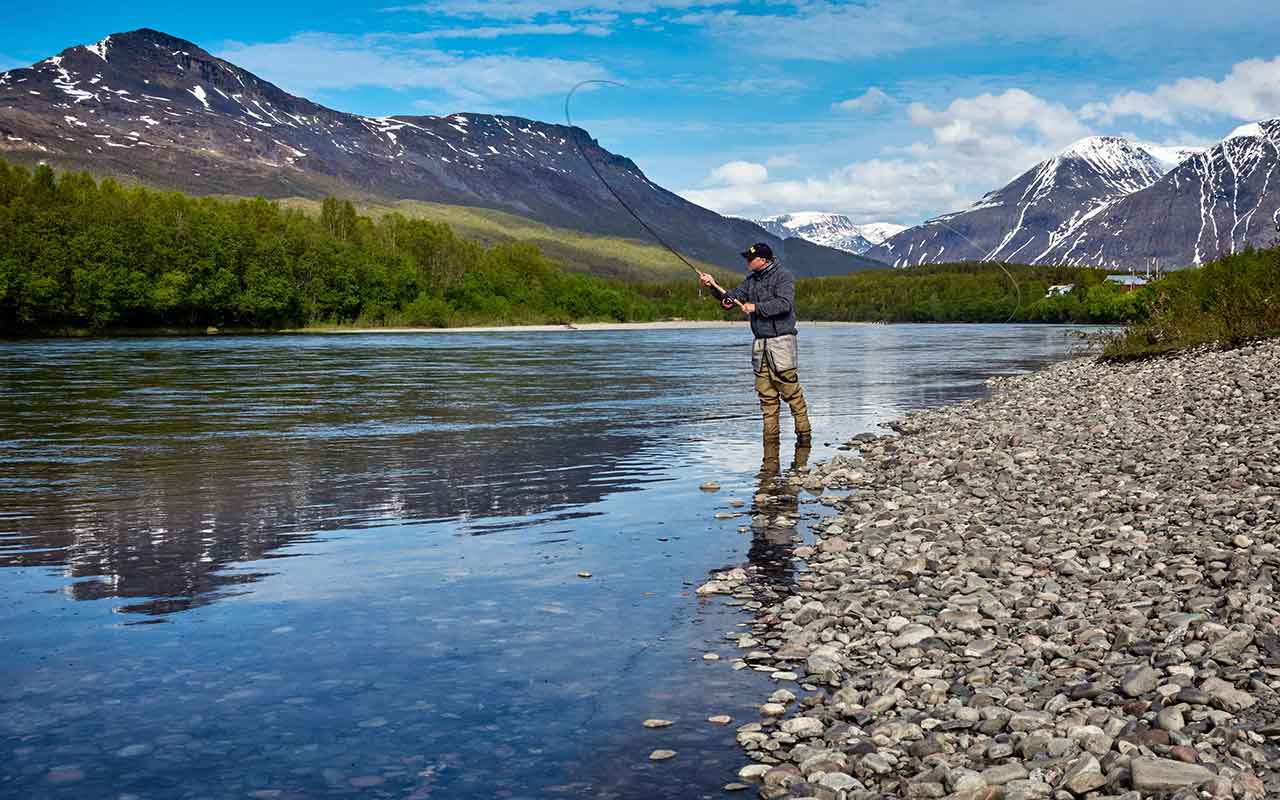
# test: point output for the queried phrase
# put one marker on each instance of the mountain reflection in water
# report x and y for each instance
(145, 469)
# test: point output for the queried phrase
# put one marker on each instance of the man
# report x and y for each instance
(767, 297)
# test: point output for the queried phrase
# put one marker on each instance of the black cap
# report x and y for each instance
(758, 250)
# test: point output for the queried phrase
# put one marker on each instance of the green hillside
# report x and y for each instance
(629, 260)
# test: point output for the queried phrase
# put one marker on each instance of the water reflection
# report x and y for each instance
(392, 528)
(145, 470)
(775, 510)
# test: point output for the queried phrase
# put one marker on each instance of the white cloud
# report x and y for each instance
(308, 62)
(1251, 91)
(974, 144)
(869, 102)
(833, 30)
(531, 9)
(519, 29)
(867, 191)
(782, 160)
(998, 123)
(739, 173)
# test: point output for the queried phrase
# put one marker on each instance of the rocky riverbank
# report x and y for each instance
(1066, 590)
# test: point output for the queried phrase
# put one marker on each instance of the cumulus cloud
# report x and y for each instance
(869, 102)
(309, 62)
(973, 144)
(867, 191)
(999, 123)
(739, 173)
(1251, 91)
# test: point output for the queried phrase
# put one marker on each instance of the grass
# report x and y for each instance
(615, 257)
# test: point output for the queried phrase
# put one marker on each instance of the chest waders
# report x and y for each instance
(774, 361)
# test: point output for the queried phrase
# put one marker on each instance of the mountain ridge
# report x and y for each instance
(1085, 192)
(829, 228)
(161, 110)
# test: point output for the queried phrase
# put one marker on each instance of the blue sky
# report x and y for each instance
(887, 111)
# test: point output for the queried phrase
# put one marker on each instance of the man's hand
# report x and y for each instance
(706, 279)
(747, 308)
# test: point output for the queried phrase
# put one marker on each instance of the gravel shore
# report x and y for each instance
(1066, 590)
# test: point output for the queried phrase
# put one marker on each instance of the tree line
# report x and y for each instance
(83, 254)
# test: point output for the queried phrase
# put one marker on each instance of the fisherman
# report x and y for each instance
(767, 297)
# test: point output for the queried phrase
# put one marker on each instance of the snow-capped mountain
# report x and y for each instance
(160, 109)
(1218, 201)
(830, 229)
(1027, 220)
(1170, 156)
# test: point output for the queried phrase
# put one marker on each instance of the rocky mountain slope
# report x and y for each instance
(1025, 219)
(1216, 202)
(162, 110)
(1109, 202)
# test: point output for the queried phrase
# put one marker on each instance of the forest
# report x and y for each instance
(84, 255)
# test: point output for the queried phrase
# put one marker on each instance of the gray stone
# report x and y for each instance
(803, 727)
(1030, 721)
(1151, 775)
(912, 635)
(1001, 774)
(1083, 775)
(1227, 695)
(1140, 681)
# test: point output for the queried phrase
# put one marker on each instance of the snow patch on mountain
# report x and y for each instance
(1170, 156)
(829, 229)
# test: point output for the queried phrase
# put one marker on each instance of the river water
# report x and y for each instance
(314, 566)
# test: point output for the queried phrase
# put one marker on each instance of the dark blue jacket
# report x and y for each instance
(773, 290)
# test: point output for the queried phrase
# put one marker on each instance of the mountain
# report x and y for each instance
(1170, 156)
(163, 111)
(830, 229)
(1216, 202)
(1026, 219)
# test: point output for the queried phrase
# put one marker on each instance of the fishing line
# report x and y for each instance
(578, 144)
(983, 260)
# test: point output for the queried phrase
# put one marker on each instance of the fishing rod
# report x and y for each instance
(577, 143)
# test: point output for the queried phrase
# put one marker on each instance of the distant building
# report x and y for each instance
(1128, 282)
(1059, 290)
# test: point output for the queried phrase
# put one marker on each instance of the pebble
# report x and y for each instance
(710, 486)
(720, 719)
(1153, 775)
(662, 755)
(584, 574)
(1063, 590)
(658, 723)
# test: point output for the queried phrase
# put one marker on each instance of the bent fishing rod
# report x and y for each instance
(577, 143)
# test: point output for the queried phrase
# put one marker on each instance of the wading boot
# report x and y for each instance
(800, 414)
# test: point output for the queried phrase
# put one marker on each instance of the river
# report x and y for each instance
(313, 566)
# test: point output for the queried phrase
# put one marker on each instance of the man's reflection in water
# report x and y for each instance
(771, 544)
